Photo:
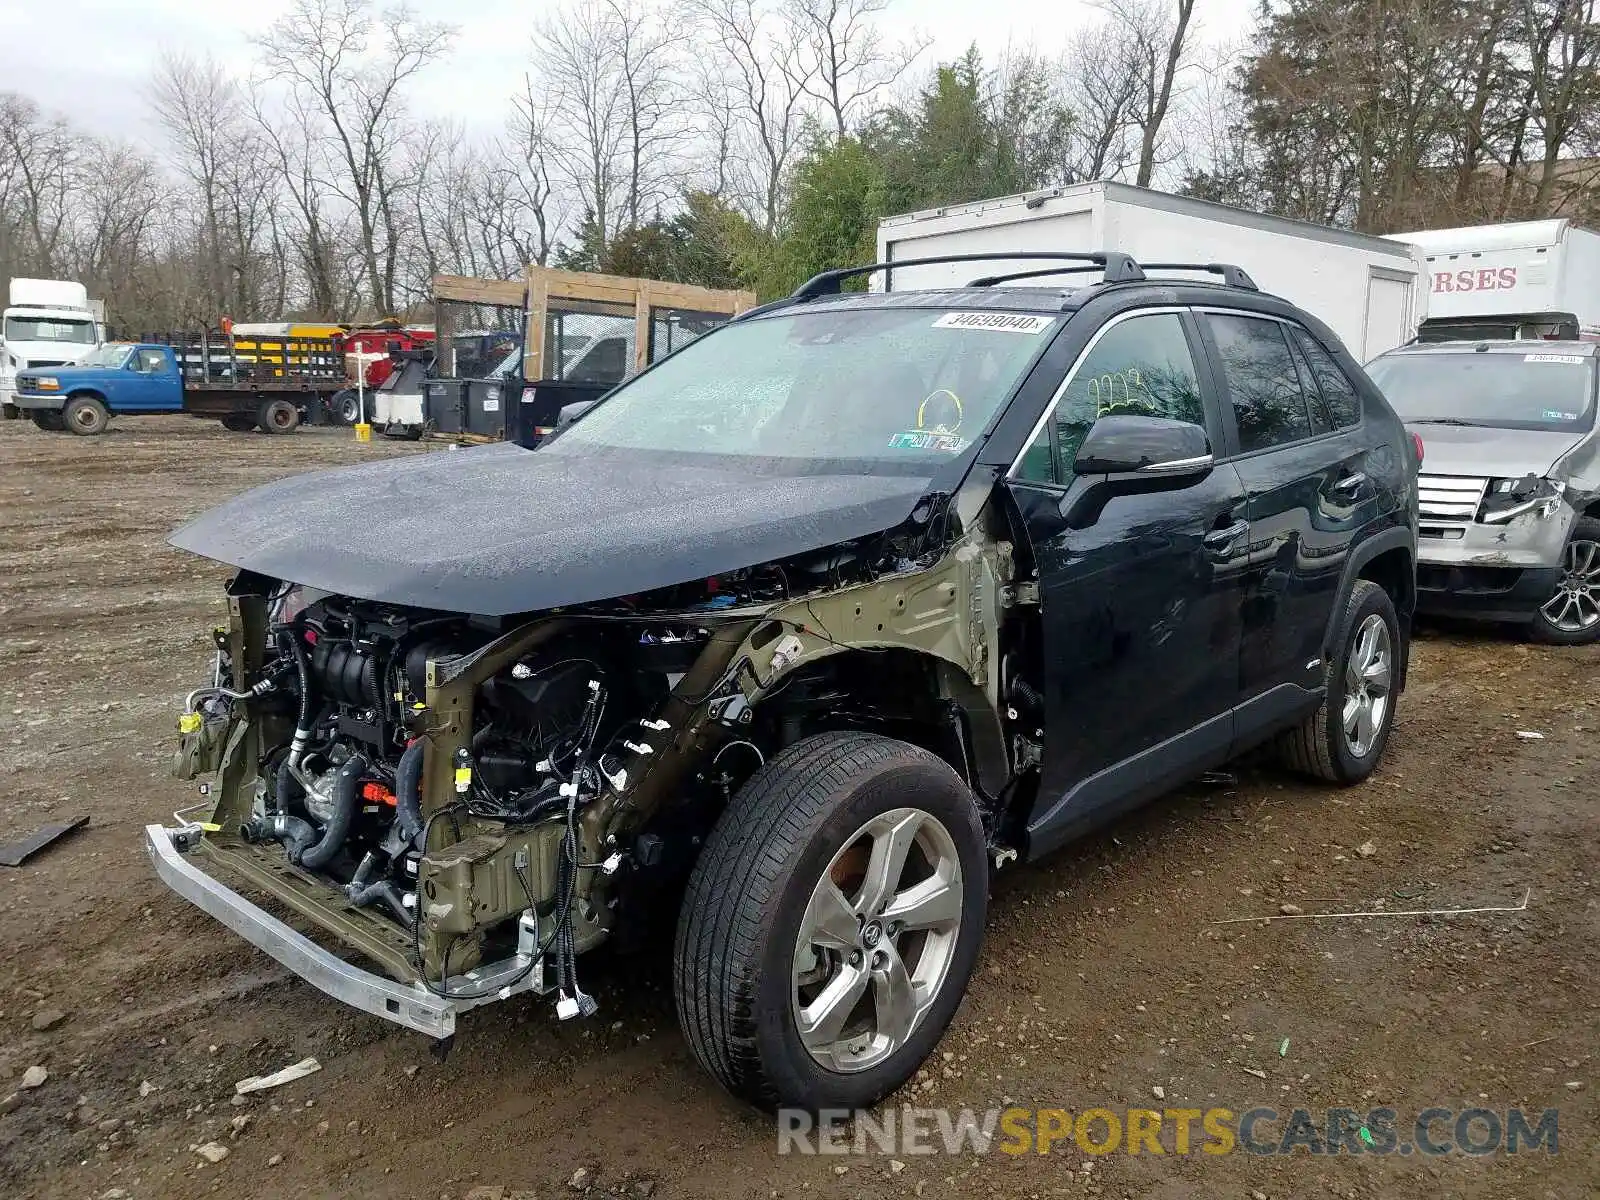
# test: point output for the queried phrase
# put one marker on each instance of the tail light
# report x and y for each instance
(1416, 444)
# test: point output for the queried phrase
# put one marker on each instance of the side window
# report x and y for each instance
(1344, 402)
(1268, 403)
(152, 362)
(1321, 417)
(1140, 366)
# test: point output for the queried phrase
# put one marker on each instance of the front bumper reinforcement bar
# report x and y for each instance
(408, 1004)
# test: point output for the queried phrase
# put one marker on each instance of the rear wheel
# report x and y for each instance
(832, 923)
(238, 424)
(1571, 617)
(277, 416)
(85, 416)
(1344, 739)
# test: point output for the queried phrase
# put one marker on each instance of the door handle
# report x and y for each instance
(1220, 542)
(1350, 485)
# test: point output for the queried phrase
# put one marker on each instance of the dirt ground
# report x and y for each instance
(1105, 974)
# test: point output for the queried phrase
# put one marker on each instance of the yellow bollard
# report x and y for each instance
(363, 432)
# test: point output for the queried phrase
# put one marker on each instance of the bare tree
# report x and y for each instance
(1153, 45)
(1102, 92)
(612, 72)
(349, 65)
(850, 62)
(767, 78)
(42, 160)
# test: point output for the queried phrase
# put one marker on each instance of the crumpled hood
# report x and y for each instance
(501, 529)
(1490, 453)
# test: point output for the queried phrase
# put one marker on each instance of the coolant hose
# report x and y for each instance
(408, 793)
(381, 890)
(346, 795)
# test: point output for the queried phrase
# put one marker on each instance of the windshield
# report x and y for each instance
(1538, 390)
(111, 354)
(857, 384)
(49, 329)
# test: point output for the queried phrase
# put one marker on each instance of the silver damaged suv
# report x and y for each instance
(1509, 494)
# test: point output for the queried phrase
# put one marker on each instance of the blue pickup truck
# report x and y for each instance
(252, 390)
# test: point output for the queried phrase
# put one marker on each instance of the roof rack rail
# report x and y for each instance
(1118, 268)
(1231, 275)
(1041, 272)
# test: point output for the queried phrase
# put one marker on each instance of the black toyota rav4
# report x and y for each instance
(794, 639)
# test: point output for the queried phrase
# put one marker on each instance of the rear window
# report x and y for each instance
(1533, 389)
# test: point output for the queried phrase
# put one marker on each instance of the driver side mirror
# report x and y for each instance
(1148, 446)
(1134, 455)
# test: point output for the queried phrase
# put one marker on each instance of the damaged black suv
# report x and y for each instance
(798, 636)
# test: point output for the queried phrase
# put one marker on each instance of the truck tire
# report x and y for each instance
(1571, 617)
(277, 416)
(345, 407)
(843, 893)
(238, 424)
(1344, 739)
(10, 412)
(49, 421)
(85, 416)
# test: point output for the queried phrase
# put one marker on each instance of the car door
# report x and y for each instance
(1140, 608)
(1308, 492)
(150, 385)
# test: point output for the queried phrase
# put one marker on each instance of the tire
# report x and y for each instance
(10, 412)
(344, 408)
(277, 416)
(804, 816)
(238, 424)
(51, 422)
(1322, 747)
(85, 416)
(1571, 617)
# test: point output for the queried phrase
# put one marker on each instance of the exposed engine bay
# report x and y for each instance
(476, 801)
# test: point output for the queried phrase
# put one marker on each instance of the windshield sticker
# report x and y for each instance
(1551, 414)
(995, 322)
(932, 443)
(1570, 359)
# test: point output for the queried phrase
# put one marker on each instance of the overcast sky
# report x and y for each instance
(90, 58)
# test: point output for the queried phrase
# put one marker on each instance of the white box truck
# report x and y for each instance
(47, 323)
(1520, 279)
(1372, 291)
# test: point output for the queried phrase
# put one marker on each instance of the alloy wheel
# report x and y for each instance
(1575, 607)
(877, 939)
(1368, 682)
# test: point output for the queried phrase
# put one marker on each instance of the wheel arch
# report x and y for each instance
(89, 393)
(928, 700)
(1389, 559)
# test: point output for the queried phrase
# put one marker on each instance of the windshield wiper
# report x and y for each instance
(1446, 421)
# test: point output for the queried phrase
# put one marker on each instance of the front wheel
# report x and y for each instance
(1344, 739)
(85, 416)
(277, 416)
(1571, 617)
(832, 923)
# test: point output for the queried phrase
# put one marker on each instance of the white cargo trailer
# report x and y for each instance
(1372, 291)
(1521, 279)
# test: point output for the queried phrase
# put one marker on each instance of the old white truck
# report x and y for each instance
(47, 323)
